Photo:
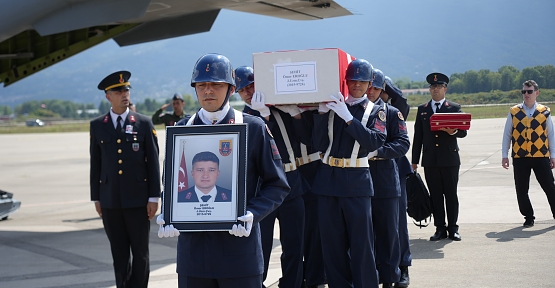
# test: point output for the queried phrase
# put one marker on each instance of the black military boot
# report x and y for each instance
(404, 281)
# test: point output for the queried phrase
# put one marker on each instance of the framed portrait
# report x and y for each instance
(205, 176)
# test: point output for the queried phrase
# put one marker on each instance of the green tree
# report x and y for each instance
(530, 73)
(508, 77)
(104, 107)
(5, 110)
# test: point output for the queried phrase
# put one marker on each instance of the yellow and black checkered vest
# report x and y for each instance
(529, 136)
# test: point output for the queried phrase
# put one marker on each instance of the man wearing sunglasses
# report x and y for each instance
(529, 132)
(440, 158)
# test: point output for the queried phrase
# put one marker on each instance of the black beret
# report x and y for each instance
(115, 81)
(437, 78)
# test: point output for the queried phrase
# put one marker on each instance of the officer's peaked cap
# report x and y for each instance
(116, 81)
(437, 78)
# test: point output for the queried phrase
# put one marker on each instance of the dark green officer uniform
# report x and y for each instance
(160, 117)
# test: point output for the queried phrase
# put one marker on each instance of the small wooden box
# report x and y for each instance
(301, 76)
(459, 121)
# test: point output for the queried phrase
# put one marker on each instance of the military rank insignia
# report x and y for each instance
(188, 196)
(154, 132)
(105, 119)
(224, 196)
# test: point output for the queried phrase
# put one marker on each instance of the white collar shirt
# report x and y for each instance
(212, 193)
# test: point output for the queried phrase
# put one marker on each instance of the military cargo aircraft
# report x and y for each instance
(36, 34)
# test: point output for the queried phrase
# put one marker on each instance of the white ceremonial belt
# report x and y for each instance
(288, 167)
(311, 158)
(346, 162)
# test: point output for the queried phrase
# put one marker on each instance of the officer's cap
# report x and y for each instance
(177, 96)
(437, 78)
(116, 81)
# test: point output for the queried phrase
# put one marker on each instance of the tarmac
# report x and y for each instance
(56, 239)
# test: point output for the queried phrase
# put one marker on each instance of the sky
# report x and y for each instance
(404, 38)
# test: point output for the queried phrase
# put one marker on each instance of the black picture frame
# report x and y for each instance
(229, 143)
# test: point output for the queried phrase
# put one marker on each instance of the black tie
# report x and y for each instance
(437, 106)
(205, 198)
(118, 127)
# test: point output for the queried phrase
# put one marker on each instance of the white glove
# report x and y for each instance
(257, 103)
(323, 108)
(339, 107)
(293, 110)
(239, 230)
(373, 154)
(165, 232)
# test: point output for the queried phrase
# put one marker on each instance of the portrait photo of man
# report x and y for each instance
(205, 173)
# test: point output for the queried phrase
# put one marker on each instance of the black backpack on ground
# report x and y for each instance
(419, 204)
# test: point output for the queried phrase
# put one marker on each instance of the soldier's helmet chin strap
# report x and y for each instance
(226, 98)
(225, 101)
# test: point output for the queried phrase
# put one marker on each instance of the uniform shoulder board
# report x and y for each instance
(154, 132)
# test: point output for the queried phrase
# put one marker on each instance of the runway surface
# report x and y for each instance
(56, 239)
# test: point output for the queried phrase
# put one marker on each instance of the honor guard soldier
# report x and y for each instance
(395, 96)
(440, 158)
(353, 128)
(387, 190)
(160, 117)
(125, 180)
(291, 212)
(234, 258)
(392, 94)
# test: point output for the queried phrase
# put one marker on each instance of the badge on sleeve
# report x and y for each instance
(381, 115)
(400, 115)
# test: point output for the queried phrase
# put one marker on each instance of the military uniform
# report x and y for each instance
(124, 174)
(160, 117)
(387, 190)
(344, 189)
(310, 161)
(291, 212)
(441, 161)
(219, 255)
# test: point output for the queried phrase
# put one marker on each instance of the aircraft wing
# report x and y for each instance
(35, 35)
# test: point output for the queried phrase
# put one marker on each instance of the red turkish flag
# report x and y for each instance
(183, 179)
